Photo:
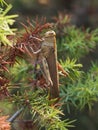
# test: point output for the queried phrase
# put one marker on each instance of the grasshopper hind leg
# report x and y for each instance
(45, 71)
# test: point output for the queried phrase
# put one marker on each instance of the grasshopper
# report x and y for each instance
(50, 39)
(47, 59)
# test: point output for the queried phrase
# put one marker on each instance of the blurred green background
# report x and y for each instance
(84, 13)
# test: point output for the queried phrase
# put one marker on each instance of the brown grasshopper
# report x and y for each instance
(47, 58)
(50, 39)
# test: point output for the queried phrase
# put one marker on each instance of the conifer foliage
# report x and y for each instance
(22, 84)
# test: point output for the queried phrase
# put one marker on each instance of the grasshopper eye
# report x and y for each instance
(52, 33)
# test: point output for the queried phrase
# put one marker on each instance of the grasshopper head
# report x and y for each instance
(50, 39)
(50, 33)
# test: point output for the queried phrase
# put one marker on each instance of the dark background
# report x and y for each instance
(84, 12)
